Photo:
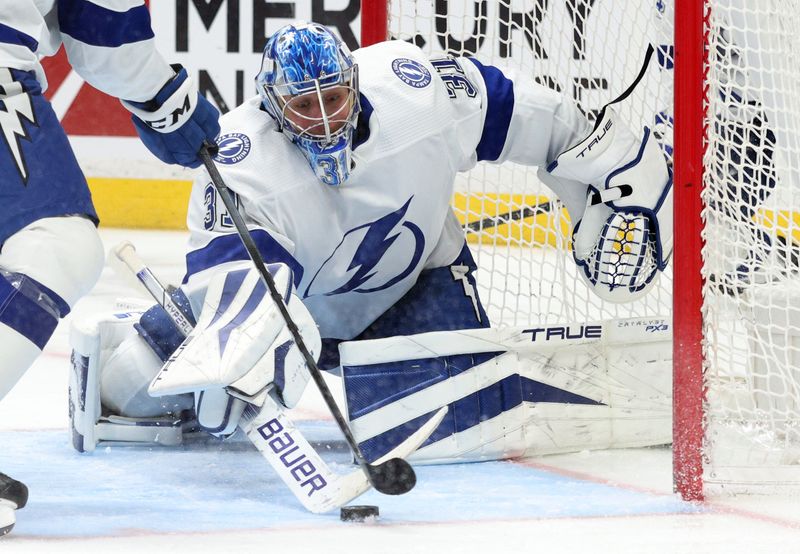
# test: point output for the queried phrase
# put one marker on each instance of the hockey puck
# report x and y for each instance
(358, 513)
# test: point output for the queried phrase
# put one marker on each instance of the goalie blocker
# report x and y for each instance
(513, 392)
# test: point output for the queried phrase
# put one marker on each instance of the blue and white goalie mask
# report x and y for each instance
(309, 84)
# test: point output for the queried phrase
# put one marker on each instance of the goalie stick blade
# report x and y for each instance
(392, 474)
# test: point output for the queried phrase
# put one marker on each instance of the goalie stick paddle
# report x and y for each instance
(126, 253)
(322, 491)
(394, 476)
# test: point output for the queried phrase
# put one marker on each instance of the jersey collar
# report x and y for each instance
(361, 134)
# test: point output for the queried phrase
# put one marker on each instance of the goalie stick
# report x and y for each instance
(393, 476)
(314, 484)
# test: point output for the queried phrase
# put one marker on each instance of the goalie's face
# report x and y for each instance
(321, 114)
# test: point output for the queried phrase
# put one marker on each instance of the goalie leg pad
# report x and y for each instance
(513, 392)
(107, 349)
(368, 388)
(125, 376)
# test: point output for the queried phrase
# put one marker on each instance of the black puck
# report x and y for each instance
(359, 513)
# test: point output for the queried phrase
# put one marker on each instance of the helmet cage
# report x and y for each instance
(282, 98)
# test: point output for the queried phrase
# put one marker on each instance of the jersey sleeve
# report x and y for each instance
(110, 43)
(522, 121)
(215, 246)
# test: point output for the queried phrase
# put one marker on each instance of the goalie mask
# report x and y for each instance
(309, 84)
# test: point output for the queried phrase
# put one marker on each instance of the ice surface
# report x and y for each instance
(220, 496)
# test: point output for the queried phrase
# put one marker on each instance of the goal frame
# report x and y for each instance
(690, 100)
(689, 105)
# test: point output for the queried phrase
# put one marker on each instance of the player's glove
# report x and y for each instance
(623, 238)
(241, 346)
(174, 124)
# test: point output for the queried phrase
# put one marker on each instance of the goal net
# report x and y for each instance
(746, 435)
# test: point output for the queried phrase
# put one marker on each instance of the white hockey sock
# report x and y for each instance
(25, 327)
(16, 356)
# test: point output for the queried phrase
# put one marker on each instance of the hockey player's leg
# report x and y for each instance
(50, 255)
(44, 269)
(13, 496)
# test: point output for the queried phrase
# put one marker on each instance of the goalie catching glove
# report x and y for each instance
(241, 343)
(623, 238)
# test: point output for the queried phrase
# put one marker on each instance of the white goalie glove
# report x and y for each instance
(242, 346)
(623, 237)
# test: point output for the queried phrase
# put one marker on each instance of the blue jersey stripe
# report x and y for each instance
(229, 248)
(9, 35)
(98, 26)
(500, 106)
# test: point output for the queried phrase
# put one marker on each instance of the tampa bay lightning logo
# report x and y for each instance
(371, 257)
(411, 72)
(233, 148)
(16, 107)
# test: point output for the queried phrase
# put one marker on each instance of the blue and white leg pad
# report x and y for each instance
(512, 392)
(93, 342)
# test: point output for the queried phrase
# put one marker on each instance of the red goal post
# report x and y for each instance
(687, 300)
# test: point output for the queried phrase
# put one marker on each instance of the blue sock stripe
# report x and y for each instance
(61, 304)
(25, 316)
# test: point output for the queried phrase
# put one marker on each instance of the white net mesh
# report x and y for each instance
(751, 309)
(591, 50)
(518, 229)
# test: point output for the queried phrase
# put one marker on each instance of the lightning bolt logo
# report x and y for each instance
(372, 249)
(461, 273)
(15, 104)
(378, 238)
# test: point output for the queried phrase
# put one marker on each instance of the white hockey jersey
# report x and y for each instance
(108, 42)
(358, 248)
